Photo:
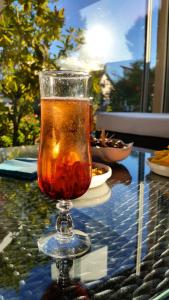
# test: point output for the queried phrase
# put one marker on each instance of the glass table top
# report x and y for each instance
(127, 219)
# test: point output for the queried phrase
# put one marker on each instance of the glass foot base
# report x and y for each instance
(53, 245)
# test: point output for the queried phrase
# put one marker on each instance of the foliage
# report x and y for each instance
(29, 129)
(5, 127)
(96, 88)
(125, 94)
(70, 41)
(127, 90)
(95, 94)
(27, 30)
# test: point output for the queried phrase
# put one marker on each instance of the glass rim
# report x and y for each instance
(65, 74)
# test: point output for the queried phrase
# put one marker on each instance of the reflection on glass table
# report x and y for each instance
(64, 287)
(69, 276)
(128, 223)
(94, 197)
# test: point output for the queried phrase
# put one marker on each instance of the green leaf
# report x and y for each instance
(60, 13)
(7, 38)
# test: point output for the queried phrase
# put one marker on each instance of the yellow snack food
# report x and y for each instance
(161, 157)
(98, 171)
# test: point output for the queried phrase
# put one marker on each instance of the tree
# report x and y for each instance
(127, 90)
(27, 30)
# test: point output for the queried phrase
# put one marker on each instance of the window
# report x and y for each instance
(160, 97)
(121, 49)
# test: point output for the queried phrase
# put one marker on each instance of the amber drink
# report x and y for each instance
(64, 167)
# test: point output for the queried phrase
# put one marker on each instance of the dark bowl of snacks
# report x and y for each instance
(110, 149)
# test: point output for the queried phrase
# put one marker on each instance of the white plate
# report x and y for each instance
(100, 179)
(158, 169)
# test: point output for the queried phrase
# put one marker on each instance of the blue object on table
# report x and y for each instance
(20, 168)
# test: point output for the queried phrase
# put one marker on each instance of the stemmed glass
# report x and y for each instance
(64, 161)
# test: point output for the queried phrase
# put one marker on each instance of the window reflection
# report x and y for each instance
(113, 50)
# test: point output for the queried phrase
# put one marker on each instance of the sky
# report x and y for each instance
(113, 30)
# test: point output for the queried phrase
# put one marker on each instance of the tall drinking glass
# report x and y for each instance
(64, 162)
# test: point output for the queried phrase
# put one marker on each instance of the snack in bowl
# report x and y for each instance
(100, 173)
(110, 150)
(159, 163)
(161, 157)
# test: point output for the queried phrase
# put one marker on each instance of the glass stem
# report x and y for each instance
(64, 223)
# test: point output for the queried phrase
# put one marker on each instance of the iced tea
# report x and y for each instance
(64, 164)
